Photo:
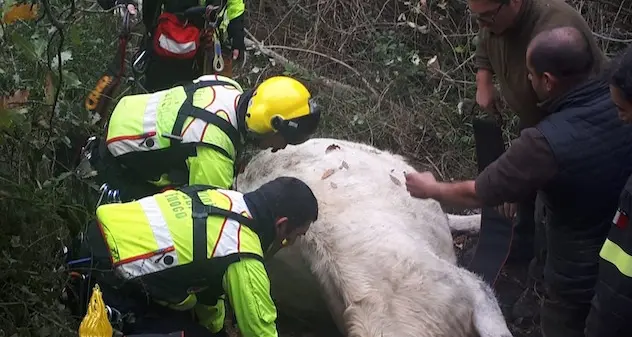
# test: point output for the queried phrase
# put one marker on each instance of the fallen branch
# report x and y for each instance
(266, 50)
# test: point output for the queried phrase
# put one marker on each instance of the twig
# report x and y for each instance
(267, 50)
(60, 30)
(281, 59)
(608, 38)
(615, 19)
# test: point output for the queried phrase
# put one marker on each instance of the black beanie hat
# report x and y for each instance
(282, 197)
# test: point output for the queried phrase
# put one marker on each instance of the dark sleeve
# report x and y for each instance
(481, 60)
(526, 166)
(106, 4)
(150, 13)
(611, 308)
(236, 32)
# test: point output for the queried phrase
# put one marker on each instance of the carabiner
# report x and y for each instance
(117, 196)
(114, 316)
(102, 189)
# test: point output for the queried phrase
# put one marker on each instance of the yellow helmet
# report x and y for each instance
(284, 105)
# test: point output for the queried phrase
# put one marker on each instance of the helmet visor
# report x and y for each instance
(298, 130)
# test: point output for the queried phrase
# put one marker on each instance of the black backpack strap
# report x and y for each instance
(200, 214)
(189, 110)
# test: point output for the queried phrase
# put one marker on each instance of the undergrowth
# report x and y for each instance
(395, 74)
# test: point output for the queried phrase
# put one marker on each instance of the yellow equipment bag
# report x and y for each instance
(95, 323)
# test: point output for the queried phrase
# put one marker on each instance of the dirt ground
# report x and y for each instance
(518, 300)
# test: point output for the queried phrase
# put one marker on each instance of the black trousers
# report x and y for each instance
(164, 73)
(149, 317)
(523, 243)
(570, 274)
(162, 320)
(526, 245)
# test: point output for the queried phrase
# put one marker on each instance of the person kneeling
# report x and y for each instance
(170, 259)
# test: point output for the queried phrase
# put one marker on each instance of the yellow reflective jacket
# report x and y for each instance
(184, 135)
(190, 246)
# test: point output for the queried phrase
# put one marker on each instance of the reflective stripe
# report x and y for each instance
(146, 266)
(230, 238)
(614, 254)
(194, 131)
(151, 111)
(124, 146)
(160, 252)
(175, 47)
(164, 241)
(150, 116)
(157, 222)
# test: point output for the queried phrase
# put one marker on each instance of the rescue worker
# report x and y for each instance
(195, 134)
(506, 27)
(173, 46)
(611, 310)
(169, 260)
(577, 158)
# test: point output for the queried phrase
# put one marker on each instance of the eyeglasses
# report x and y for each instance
(488, 17)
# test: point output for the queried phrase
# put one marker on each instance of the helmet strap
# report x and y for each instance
(242, 109)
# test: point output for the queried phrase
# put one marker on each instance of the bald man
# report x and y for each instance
(577, 158)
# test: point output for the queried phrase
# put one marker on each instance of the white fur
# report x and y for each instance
(383, 261)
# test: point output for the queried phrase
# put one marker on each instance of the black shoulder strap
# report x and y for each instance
(201, 212)
(189, 110)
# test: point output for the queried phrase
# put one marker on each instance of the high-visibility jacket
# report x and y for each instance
(611, 311)
(232, 10)
(184, 135)
(179, 243)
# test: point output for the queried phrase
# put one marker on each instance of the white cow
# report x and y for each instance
(383, 261)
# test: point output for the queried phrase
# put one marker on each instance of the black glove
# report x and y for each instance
(236, 35)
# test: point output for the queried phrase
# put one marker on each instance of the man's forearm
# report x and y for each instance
(458, 194)
(484, 77)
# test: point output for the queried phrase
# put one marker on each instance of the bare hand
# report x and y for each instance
(508, 210)
(235, 54)
(421, 185)
(486, 98)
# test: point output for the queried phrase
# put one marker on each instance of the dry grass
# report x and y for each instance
(381, 48)
(366, 61)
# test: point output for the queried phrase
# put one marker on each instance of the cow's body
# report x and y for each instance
(379, 261)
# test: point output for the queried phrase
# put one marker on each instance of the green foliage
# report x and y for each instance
(41, 200)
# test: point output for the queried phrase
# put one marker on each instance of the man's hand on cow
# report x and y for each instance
(508, 210)
(421, 185)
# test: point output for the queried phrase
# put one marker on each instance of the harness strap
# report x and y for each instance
(200, 214)
(189, 110)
